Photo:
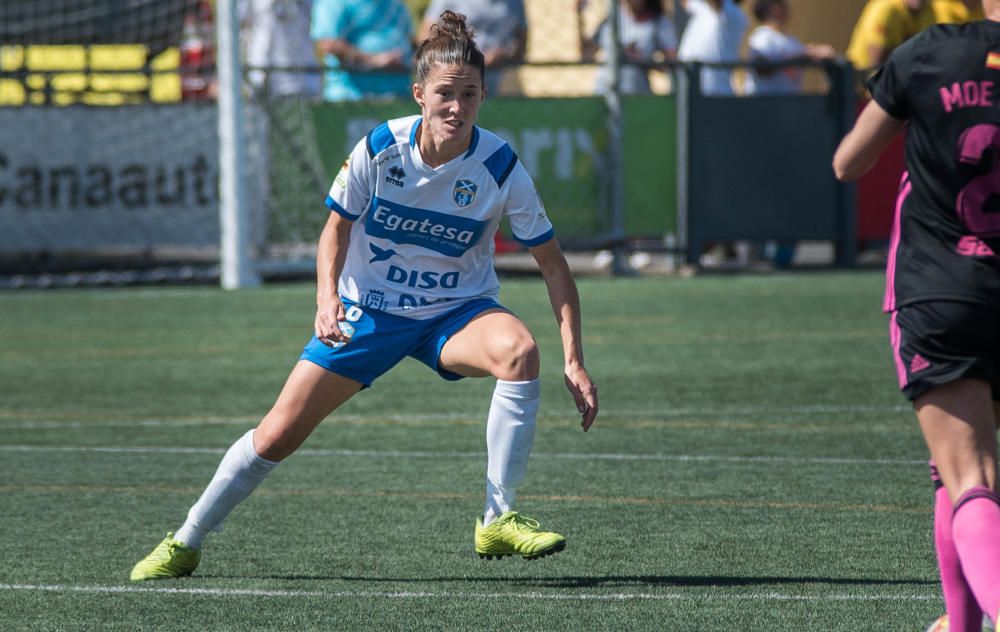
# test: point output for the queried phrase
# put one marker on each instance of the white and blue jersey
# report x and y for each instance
(423, 236)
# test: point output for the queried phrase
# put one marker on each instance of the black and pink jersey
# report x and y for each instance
(946, 83)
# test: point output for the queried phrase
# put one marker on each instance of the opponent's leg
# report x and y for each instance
(964, 614)
(497, 343)
(309, 395)
(957, 420)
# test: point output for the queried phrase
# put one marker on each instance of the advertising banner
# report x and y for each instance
(81, 179)
(563, 144)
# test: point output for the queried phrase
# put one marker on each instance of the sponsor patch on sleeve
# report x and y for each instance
(341, 179)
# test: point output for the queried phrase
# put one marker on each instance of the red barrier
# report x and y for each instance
(877, 192)
(502, 244)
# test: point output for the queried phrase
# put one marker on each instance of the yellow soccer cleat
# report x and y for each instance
(171, 558)
(941, 624)
(514, 534)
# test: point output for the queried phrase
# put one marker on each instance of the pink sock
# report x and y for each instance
(975, 527)
(964, 614)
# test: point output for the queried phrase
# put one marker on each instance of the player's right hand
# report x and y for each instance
(329, 314)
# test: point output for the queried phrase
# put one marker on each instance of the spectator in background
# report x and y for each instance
(500, 27)
(957, 11)
(368, 46)
(714, 33)
(884, 25)
(647, 36)
(770, 43)
(276, 34)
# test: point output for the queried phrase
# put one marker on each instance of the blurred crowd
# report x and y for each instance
(365, 47)
(353, 49)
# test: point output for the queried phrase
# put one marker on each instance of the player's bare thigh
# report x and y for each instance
(309, 395)
(493, 343)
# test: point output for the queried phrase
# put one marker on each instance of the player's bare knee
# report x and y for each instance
(273, 441)
(519, 359)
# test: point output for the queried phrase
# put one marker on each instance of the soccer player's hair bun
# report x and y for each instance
(450, 43)
(452, 24)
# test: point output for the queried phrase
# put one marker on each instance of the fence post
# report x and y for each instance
(616, 137)
(687, 83)
(841, 75)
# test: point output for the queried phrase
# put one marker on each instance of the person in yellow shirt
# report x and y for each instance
(957, 11)
(884, 25)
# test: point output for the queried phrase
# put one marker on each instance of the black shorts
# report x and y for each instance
(938, 342)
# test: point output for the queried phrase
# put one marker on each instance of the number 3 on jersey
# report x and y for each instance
(978, 203)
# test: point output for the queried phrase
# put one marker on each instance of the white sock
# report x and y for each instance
(239, 473)
(510, 432)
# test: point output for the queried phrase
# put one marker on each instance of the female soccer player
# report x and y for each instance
(943, 281)
(405, 268)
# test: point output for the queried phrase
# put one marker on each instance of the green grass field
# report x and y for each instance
(753, 468)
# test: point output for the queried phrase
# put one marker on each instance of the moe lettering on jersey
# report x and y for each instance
(967, 94)
(446, 234)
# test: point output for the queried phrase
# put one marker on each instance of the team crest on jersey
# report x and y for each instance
(465, 192)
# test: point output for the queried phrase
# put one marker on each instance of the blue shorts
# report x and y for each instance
(381, 340)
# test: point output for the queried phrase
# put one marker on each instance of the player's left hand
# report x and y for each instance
(584, 392)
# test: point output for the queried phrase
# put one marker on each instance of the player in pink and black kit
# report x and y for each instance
(943, 281)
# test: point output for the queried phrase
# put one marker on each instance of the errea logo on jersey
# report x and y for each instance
(396, 175)
(440, 232)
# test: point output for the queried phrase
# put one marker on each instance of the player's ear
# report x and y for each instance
(418, 94)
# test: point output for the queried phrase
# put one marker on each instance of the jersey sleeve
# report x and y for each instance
(350, 193)
(528, 221)
(888, 85)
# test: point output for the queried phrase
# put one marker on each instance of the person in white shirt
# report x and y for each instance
(770, 42)
(714, 34)
(405, 269)
(647, 36)
(275, 34)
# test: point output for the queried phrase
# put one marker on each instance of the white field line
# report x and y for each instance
(540, 596)
(427, 454)
(820, 409)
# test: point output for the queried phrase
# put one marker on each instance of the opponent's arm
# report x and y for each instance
(566, 305)
(330, 256)
(860, 149)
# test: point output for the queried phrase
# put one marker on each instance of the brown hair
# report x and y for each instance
(450, 43)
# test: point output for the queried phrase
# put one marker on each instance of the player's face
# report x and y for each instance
(915, 5)
(449, 101)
